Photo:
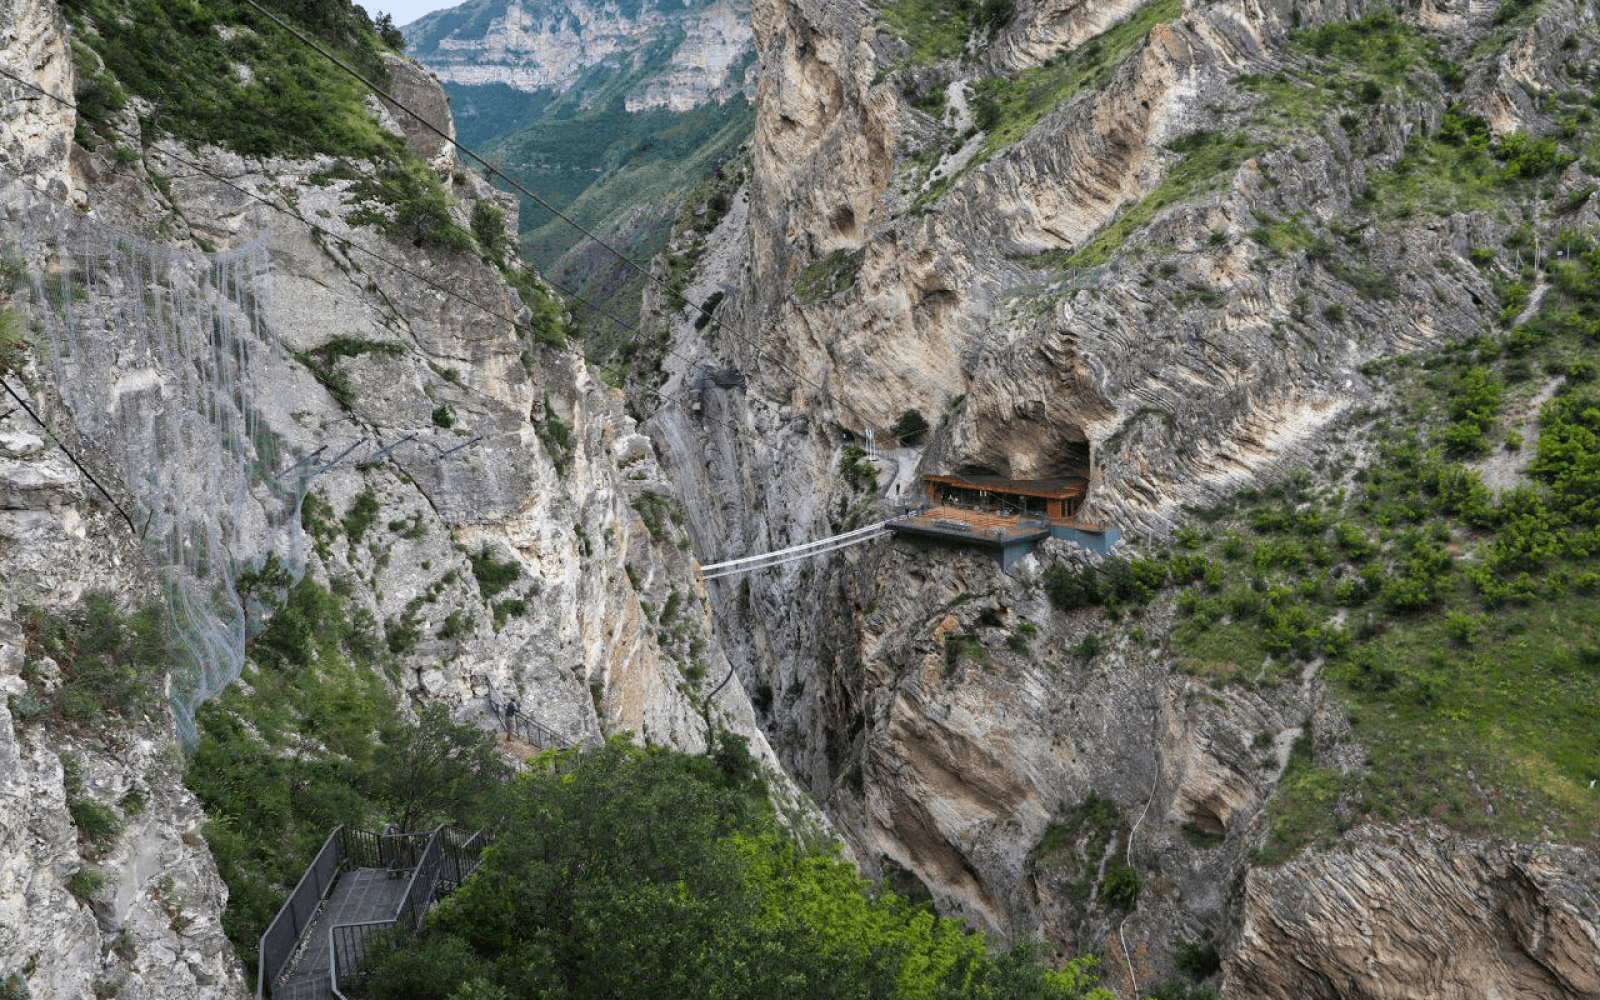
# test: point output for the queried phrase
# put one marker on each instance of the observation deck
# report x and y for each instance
(1008, 516)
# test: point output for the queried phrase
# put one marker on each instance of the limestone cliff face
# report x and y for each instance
(867, 270)
(154, 925)
(674, 56)
(533, 462)
(1461, 919)
(153, 928)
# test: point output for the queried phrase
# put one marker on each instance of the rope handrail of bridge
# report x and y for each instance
(805, 550)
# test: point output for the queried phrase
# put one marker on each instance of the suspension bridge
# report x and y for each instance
(805, 550)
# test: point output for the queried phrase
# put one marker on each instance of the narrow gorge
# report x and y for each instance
(1304, 292)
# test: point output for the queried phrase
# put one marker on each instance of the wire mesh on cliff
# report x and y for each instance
(165, 363)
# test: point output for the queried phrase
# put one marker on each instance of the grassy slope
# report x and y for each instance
(174, 56)
(1460, 631)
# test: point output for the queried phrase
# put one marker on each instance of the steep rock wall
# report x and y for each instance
(1451, 918)
(535, 463)
(1189, 362)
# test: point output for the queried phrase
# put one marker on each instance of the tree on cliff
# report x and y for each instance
(646, 872)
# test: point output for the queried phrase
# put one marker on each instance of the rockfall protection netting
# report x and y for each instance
(164, 360)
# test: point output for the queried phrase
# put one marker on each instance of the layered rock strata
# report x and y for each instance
(867, 270)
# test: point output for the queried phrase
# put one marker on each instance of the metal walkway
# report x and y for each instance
(360, 884)
(360, 896)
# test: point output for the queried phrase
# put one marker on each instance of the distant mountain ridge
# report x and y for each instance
(611, 111)
(647, 53)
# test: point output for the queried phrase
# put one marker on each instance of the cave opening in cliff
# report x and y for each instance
(1032, 493)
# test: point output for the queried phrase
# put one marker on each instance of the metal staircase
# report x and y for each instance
(360, 884)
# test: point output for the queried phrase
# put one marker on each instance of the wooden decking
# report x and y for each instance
(976, 524)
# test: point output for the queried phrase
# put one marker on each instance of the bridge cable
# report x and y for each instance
(345, 241)
(497, 172)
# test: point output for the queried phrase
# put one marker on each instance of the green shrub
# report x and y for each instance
(454, 624)
(489, 230)
(658, 513)
(1120, 887)
(84, 883)
(857, 470)
(557, 437)
(111, 663)
(938, 29)
(1072, 589)
(98, 824)
(1525, 157)
(420, 209)
(1198, 960)
(360, 516)
(511, 607)
(402, 633)
(98, 95)
(492, 575)
(910, 428)
(12, 342)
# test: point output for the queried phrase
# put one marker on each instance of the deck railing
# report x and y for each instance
(348, 945)
(453, 858)
(282, 936)
(531, 730)
(445, 861)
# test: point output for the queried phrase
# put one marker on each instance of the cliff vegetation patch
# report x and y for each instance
(1458, 622)
(93, 661)
(218, 72)
(1006, 108)
(828, 277)
(1076, 850)
(311, 738)
(938, 30)
(1207, 162)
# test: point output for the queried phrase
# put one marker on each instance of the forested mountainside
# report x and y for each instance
(614, 114)
(1306, 292)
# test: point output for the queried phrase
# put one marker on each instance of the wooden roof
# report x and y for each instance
(1062, 488)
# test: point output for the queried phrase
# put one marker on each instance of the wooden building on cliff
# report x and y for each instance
(1009, 516)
